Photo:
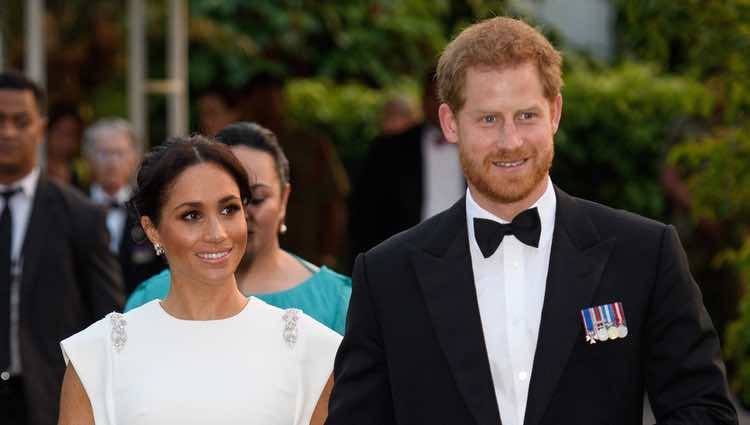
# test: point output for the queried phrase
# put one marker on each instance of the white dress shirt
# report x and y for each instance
(115, 216)
(510, 287)
(442, 175)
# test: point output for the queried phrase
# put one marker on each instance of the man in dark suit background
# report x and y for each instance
(113, 152)
(405, 179)
(57, 274)
(521, 304)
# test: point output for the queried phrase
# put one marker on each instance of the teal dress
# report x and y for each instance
(324, 296)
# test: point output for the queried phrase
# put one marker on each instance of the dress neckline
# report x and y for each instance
(162, 312)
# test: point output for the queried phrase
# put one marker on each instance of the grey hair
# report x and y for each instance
(110, 124)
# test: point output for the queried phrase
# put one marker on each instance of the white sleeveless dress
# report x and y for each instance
(263, 366)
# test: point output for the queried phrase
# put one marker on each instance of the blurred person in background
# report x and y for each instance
(113, 153)
(317, 215)
(406, 178)
(258, 364)
(397, 116)
(268, 272)
(217, 108)
(63, 145)
(57, 274)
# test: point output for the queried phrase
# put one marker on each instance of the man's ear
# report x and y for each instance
(448, 123)
(556, 112)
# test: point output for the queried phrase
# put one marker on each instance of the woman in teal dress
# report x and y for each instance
(268, 272)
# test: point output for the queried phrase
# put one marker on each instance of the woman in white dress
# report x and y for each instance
(206, 353)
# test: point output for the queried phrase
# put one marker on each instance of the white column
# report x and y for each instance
(3, 21)
(137, 107)
(35, 48)
(177, 111)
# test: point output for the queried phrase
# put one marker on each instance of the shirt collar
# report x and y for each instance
(27, 184)
(546, 204)
(99, 196)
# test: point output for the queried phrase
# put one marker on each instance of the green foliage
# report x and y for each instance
(347, 113)
(614, 133)
(372, 41)
(705, 39)
(718, 170)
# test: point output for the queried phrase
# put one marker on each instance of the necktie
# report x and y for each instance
(526, 227)
(6, 243)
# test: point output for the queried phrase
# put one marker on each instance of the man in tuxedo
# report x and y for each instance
(405, 179)
(521, 304)
(113, 152)
(57, 274)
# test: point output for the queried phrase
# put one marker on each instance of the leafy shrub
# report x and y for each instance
(615, 129)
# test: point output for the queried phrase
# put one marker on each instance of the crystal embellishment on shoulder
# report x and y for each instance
(118, 336)
(291, 317)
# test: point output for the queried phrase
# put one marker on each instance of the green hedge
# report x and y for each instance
(718, 170)
(615, 128)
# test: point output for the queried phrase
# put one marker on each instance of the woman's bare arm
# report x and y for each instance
(75, 407)
(321, 409)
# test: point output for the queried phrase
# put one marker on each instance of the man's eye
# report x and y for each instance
(527, 115)
(21, 122)
(489, 119)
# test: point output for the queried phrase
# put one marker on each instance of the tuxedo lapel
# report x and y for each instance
(577, 259)
(37, 230)
(445, 275)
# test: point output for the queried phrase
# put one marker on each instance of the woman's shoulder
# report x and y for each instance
(155, 287)
(334, 278)
(297, 324)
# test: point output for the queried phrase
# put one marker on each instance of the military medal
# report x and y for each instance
(611, 326)
(601, 331)
(588, 324)
(622, 328)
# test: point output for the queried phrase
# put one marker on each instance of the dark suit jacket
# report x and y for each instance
(414, 351)
(138, 260)
(69, 279)
(387, 197)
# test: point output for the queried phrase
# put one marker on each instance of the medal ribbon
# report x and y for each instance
(620, 314)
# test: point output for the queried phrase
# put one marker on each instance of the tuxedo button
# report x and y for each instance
(523, 376)
(5, 375)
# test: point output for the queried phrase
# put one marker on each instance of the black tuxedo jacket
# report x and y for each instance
(387, 196)
(69, 279)
(414, 351)
(138, 260)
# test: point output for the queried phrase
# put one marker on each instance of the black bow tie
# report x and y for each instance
(527, 227)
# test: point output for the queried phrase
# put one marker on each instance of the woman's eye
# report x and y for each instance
(230, 209)
(191, 216)
(256, 201)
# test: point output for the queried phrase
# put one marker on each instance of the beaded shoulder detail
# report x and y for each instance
(291, 318)
(118, 336)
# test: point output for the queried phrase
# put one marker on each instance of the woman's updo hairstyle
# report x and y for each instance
(254, 136)
(164, 163)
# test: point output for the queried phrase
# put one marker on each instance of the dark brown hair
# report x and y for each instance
(161, 167)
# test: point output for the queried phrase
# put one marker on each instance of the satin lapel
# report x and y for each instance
(42, 211)
(445, 275)
(577, 260)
